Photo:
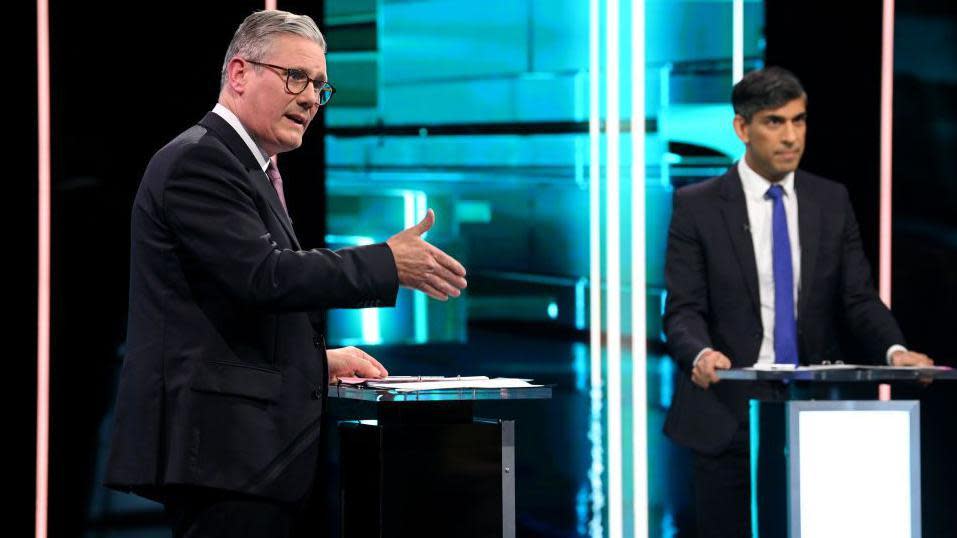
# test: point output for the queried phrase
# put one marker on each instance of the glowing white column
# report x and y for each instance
(639, 350)
(737, 40)
(594, 260)
(613, 268)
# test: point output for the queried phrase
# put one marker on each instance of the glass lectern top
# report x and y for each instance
(839, 373)
(446, 395)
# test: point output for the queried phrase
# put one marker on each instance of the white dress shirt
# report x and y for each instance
(234, 122)
(760, 210)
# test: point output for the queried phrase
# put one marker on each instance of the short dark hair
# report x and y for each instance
(771, 87)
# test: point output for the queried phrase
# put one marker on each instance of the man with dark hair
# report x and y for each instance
(226, 372)
(764, 265)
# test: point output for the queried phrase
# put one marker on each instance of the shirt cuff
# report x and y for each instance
(894, 349)
(707, 349)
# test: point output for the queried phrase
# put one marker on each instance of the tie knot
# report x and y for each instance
(774, 193)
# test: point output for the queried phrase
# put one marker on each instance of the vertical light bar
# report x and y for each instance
(43, 267)
(371, 333)
(887, 109)
(415, 206)
(664, 101)
(420, 300)
(271, 4)
(369, 320)
(421, 206)
(580, 113)
(613, 269)
(737, 40)
(595, 435)
(639, 349)
(580, 286)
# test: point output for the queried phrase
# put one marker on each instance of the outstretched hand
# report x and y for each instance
(424, 267)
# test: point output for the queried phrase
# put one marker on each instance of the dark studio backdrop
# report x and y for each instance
(837, 53)
(125, 83)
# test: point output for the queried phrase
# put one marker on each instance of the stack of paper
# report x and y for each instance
(417, 383)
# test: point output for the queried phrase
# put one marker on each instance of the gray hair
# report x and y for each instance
(254, 37)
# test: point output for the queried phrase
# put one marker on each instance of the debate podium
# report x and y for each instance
(828, 462)
(420, 464)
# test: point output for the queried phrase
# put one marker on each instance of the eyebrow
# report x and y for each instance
(319, 78)
(778, 117)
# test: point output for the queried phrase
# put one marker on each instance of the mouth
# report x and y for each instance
(297, 119)
(788, 154)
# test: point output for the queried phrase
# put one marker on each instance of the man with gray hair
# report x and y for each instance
(226, 371)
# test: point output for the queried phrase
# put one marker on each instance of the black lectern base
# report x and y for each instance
(419, 479)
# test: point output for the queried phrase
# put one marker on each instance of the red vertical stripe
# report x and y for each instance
(43, 267)
(887, 107)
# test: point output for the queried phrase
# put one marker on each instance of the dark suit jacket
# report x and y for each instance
(712, 283)
(225, 375)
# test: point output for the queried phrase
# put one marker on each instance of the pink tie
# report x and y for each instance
(276, 181)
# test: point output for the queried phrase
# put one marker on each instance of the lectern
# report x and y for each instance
(823, 465)
(420, 464)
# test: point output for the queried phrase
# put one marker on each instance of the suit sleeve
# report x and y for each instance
(212, 211)
(868, 318)
(686, 307)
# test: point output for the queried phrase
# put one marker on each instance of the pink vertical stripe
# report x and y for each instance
(887, 109)
(43, 267)
(271, 4)
(884, 392)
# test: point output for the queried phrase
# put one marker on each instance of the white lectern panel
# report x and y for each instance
(854, 469)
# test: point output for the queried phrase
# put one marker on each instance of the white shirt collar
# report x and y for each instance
(234, 122)
(756, 186)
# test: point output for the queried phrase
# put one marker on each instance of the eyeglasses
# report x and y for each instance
(297, 81)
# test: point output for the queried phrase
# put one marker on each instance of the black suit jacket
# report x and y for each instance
(712, 283)
(225, 375)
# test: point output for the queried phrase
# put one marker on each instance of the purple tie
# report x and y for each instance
(276, 181)
(785, 326)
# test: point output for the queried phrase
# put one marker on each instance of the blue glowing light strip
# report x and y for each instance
(580, 286)
(421, 309)
(595, 435)
(639, 350)
(415, 207)
(349, 240)
(613, 269)
(754, 446)
(737, 40)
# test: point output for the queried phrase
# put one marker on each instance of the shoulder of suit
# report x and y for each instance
(195, 140)
(196, 146)
(703, 189)
(826, 188)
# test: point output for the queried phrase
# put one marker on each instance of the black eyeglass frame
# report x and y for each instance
(318, 85)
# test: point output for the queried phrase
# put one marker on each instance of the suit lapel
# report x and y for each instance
(266, 189)
(735, 212)
(257, 177)
(809, 228)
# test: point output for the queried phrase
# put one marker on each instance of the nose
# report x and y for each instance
(309, 98)
(789, 134)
